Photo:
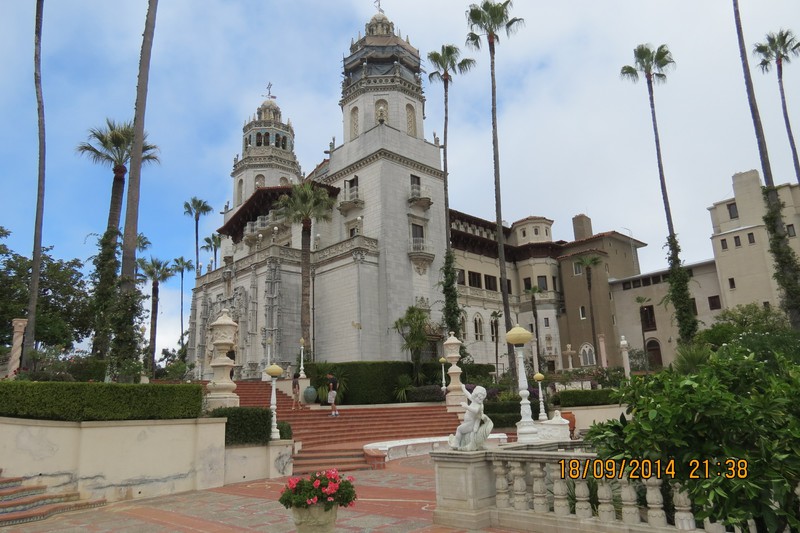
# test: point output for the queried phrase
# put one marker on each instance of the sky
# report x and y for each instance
(574, 138)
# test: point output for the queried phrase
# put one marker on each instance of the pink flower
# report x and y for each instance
(312, 501)
(330, 498)
(350, 479)
(293, 481)
(316, 483)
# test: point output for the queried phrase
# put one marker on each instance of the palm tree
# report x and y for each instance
(487, 19)
(111, 146)
(588, 262)
(653, 64)
(412, 326)
(495, 318)
(641, 300)
(305, 203)
(780, 48)
(787, 268)
(129, 304)
(157, 271)
(181, 265)
(533, 291)
(36, 265)
(195, 208)
(212, 244)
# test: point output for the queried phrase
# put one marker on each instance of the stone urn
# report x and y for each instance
(220, 388)
(310, 394)
(315, 519)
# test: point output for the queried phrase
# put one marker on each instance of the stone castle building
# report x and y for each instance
(382, 250)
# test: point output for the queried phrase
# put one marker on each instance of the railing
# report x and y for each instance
(418, 191)
(418, 244)
(250, 228)
(262, 222)
(351, 193)
(554, 486)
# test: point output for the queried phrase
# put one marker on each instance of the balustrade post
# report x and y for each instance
(560, 502)
(539, 487)
(500, 484)
(605, 509)
(712, 527)
(684, 519)
(630, 512)
(655, 503)
(583, 509)
(520, 486)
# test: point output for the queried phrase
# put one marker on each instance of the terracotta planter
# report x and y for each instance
(568, 415)
(315, 519)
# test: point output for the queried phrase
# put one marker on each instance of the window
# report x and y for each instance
(577, 268)
(546, 231)
(547, 322)
(536, 230)
(541, 282)
(723, 243)
(751, 238)
(694, 306)
(478, 323)
(648, 317)
(731, 283)
(766, 305)
(354, 122)
(353, 231)
(626, 285)
(526, 283)
(714, 303)
(508, 286)
(411, 120)
(351, 186)
(587, 355)
(637, 283)
(645, 282)
(733, 211)
(583, 312)
(790, 230)
(737, 241)
(463, 325)
(494, 327)
(555, 283)
(461, 280)
(475, 279)
(524, 233)
(490, 282)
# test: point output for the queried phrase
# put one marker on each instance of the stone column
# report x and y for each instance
(454, 393)
(221, 387)
(18, 325)
(626, 361)
(601, 348)
(569, 352)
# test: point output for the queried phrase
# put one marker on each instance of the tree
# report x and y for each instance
(653, 64)
(195, 208)
(787, 268)
(532, 292)
(306, 202)
(488, 19)
(451, 313)
(780, 47)
(157, 271)
(495, 317)
(181, 265)
(129, 303)
(412, 326)
(36, 266)
(212, 244)
(588, 262)
(641, 300)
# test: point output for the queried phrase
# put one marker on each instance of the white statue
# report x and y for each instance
(476, 427)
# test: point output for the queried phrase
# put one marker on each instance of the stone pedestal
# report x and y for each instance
(220, 388)
(454, 393)
(554, 430)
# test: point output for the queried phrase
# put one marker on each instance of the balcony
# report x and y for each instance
(420, 197)
(350, 201)
(420, 251)
(250, 228)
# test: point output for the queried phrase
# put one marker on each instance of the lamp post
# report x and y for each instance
(542, 413)
(274, 371)
(302, 347)
(519, 336)
(442, 361)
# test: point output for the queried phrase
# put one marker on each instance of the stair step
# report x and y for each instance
(46, 511)
(19, 491)
(7, 482)
(35, 500)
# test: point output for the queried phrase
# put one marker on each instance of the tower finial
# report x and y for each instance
(269, 92)
(378, 5)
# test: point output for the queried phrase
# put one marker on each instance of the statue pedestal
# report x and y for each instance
(554, 430)
(221, 387)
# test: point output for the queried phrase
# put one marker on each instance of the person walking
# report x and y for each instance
(296, 392)
(333, 385)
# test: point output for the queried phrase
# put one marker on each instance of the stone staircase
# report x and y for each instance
(338, 441)
(20, 504)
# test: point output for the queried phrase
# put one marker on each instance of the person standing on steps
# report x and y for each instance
(333, 384)
(296, 392)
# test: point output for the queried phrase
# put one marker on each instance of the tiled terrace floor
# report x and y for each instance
(399, 499)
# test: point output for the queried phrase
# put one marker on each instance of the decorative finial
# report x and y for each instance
(269, 92)
(378, 5)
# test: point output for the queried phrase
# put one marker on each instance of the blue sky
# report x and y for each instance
(574, 138)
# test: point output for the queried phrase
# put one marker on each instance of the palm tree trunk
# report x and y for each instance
(36, 266)
(795, 160)
(117, 196)
(134, 181)
(446, 81)
(501, 254)
(664, 195)
(535, 313)
(305, 274)
(153, 324)
(197, 244)
(182, 330)
(591, 313)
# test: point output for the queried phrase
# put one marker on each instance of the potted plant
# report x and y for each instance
(315, 500)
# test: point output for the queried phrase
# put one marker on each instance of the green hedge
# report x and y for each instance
(80, 402)
(578, 398)
(246, 425)
(426, 393)
(505, 420)
(368, 382)
(491, 408)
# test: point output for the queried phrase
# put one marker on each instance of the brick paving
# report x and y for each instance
(399, 499)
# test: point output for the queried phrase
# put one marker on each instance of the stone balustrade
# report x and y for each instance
(532, 488)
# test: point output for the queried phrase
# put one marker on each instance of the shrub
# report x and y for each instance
(426, 393)
(246, 425)
(578, 398)
(285, 430)
(405, 383)
(79, 402)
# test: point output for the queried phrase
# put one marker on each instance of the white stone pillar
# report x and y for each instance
(454, 394)
(626, 360)
(601, 348)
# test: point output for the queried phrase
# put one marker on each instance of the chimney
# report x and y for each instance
(582, 227)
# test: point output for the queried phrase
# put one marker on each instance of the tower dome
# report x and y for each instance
(269, 110)
(380, 25)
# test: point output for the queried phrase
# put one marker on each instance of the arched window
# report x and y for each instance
(239, 192)
(258, 139)
(381, 112)
(283, 142)
(284, 182)
(411, 120)
(266, 139)
(654, 354)
(478, 323)
(354, 123)
(260, 180)
(463, 326)
(277, 140)
(587, 355)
